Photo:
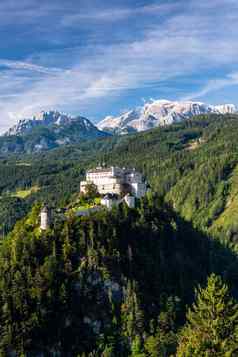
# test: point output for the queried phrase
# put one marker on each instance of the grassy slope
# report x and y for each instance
(25, 193)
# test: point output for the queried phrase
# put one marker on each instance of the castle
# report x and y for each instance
(116, 185)
(115, 180)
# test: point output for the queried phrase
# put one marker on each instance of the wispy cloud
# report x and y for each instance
(213, 85)
(187, 42)
(25, 11)
(118, 14)
(26, 66)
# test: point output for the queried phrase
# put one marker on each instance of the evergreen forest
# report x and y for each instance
(156, 280)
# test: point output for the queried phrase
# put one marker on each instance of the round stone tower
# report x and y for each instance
(130, 201)
(45, 218)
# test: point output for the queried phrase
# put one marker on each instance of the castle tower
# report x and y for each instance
(130, 201)
(45, 218)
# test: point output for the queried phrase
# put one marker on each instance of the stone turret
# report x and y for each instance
(45, 218)
(130, 201)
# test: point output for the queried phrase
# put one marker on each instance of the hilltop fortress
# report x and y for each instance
(115, 185)
(115, 180)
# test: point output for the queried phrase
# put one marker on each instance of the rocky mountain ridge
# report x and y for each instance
(48, 119)
(48, 130)
(159, 113)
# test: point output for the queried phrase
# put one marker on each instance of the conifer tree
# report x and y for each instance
(132, 315)
(212, 323)
(137, 348)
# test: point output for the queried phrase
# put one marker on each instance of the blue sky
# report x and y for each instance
(101, 57)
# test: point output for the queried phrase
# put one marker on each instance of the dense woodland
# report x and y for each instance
(158, 280)
(113, 284)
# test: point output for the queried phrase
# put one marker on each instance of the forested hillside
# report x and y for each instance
(113, 284)
(119, 283)
(193, 164)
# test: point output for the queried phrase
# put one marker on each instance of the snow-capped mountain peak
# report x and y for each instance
(160, 112)
(47, 119)
(123, 120)
(48, 130)
(226, 108)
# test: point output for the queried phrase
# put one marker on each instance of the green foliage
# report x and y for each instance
(137, 348)
(115, 283)
(212, 327)
(162, 340)
(11, 210)
(91, 191)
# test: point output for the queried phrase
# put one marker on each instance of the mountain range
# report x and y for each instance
(182, 231)
(53, 120)
(159, 113)
(48, 130)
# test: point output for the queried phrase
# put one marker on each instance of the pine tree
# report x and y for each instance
(212, 323)
(132, 315)
(137, 348)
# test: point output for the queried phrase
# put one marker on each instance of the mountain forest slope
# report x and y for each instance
(113, 284)
(192, 164)
(118, 283)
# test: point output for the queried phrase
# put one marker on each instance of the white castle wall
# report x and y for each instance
(113, 180)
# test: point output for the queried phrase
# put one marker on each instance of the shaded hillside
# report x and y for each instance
(104, 283)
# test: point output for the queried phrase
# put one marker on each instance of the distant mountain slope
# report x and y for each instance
(46, 131)
(192, 164)
(108, 261)
(158, 113)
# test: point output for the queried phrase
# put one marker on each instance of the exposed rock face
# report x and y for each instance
(158, 113)
(46, 131)
(119, 123)
(48, 120)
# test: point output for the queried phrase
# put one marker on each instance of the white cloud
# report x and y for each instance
(117, 14)
(214, 85)
(25, 11)
(184, 44)
(26, 66)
